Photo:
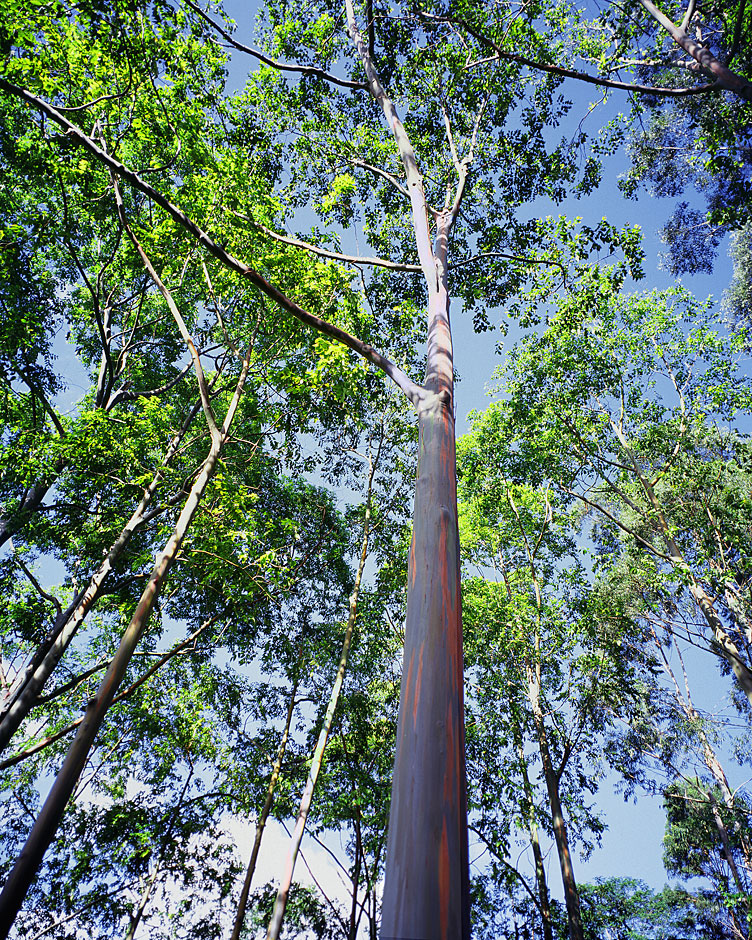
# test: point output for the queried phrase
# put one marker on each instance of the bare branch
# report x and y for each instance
(280, 66)
(690, 12)
(324, 253)
(126, 394)
(37, 586)
(571, 73)
(503, 254)
(724, 77)
(383, 173)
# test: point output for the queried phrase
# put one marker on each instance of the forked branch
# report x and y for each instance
(412, 390)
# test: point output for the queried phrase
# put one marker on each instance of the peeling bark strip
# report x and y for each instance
(426, 893)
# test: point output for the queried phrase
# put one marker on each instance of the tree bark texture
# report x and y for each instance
(426, 896)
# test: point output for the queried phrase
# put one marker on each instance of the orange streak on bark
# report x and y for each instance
(450, 773)
(447, 451)
(448, 589)
(417, 688)
(444, 883)
(409, 689)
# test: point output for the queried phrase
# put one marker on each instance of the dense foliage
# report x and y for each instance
(207, 459)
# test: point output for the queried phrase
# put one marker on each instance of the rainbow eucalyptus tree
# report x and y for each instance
(401, 128)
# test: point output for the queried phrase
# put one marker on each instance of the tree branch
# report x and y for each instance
(125, 394)
(414, 392)
(35, 390)
(280, 66)
(324, 253)
(494, 851)
(38, 587)
(502, 254)
(723, 76)
(176, 315)
(51, 739)
(383, 173)
(570, 73)
(413, 176)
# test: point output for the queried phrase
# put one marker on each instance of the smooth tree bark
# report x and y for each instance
(722, 76)
(426, 892)
(533, 670)
(544, 900)
(561, 837)
(283, 892)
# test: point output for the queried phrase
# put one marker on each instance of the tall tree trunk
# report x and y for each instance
(429, 788)
(571, 894)
(278, 914)
(540, 879)
(353, 923)
(263, 816)
(544, 901)
(426, 892)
